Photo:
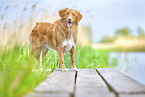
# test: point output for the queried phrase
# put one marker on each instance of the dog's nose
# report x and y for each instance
(69, 19)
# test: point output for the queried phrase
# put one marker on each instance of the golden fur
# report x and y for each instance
(47, 36)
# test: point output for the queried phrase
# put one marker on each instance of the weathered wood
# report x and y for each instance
(69, 69)
(48, 95)
(58, 82)
(121, 83)
(132, 95)
(90, 84)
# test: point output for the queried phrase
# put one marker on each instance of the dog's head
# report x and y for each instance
(70, 16)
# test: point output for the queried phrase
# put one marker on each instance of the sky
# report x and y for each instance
(103, 16)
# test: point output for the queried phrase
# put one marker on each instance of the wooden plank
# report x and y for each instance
(48, 95)
(120, 82)
(58, 82)
(132, 95)
(69, 69)
(90, 84)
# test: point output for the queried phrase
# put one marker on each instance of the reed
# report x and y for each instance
(16, 74)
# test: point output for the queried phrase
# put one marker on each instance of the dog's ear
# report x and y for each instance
(66, 9)
(79, 16)
(61, 13)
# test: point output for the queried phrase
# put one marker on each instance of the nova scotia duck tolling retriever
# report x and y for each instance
(60, 36)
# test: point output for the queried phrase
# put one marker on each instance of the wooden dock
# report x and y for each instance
(102, 82)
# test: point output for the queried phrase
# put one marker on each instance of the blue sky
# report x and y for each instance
(103, 16)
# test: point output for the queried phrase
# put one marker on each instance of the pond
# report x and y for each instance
(131, 63)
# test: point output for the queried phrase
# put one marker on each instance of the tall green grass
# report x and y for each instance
(17, 77)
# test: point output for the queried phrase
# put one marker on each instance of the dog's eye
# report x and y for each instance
(73, 14)
(67, 13)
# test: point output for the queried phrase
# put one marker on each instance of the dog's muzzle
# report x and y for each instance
(69, 22)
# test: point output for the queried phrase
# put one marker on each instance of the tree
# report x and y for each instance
(140, 31)
(106, 39)
(123, 32)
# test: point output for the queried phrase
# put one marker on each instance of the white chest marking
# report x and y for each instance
(68, 44)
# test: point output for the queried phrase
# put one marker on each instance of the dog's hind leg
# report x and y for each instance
(35, 53)
(41, 55)
(40, 64)
(44, 52)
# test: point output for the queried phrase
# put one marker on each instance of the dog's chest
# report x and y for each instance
(67, 44)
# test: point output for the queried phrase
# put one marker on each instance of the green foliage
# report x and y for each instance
(16, 73)
(17, 77)
(140, 31)
(123, 32)
(106, 39)
(128, 49)
(87, 57)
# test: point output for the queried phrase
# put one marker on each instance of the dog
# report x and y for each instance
(60, 36)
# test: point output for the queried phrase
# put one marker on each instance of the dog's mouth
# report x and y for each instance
(69, 23)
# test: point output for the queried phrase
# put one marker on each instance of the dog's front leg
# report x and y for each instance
(72, 53)
(61, 58)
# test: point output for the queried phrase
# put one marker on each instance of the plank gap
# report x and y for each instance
(120, 82)
(132, 93)
(109, 86)
(74, 85)
(90, 84)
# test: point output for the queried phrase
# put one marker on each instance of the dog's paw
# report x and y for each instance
(76, 69)
(64, 70)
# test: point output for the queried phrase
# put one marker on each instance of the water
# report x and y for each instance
(132, 64)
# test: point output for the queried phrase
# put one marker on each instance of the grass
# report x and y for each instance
(16, 73)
